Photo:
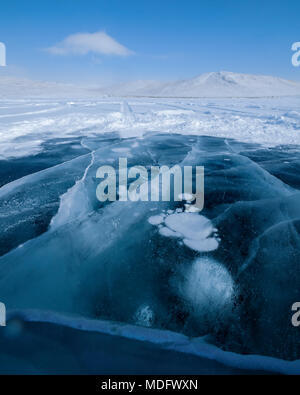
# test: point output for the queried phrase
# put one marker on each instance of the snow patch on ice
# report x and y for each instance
(208, 287)
(164, 231)
(191, 226)
(156, 219)
(196, 231)
(205, 245)
(144, 316)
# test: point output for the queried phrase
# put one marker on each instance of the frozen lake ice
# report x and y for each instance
(229, 274)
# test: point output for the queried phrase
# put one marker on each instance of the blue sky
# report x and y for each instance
(147, 39)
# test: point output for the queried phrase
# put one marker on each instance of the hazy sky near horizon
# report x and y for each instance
(105, 41)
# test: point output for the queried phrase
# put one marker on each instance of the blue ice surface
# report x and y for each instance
(40, 342)
(66, 255)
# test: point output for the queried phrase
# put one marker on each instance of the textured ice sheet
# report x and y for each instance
(67, 252)
(149, 350)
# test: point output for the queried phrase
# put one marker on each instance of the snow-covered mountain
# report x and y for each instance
(215, 84)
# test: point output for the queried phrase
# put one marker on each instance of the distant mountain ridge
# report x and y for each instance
(214, 84)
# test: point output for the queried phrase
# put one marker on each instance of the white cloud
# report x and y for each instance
(83, 43)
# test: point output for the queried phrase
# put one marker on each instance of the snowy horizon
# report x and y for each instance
(213, 84)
